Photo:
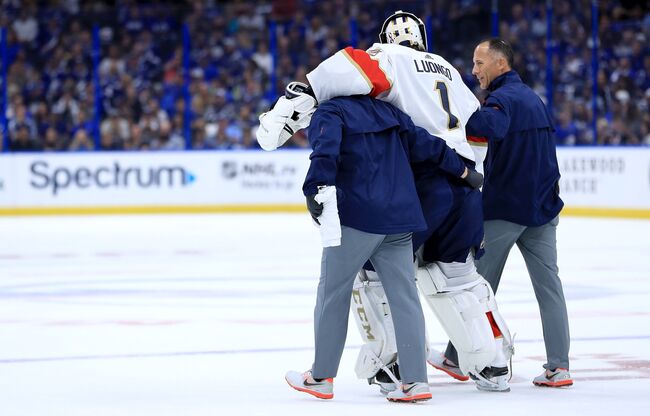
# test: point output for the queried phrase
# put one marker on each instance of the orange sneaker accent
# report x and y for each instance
(306, 384)
(312, 392)
(449, 373)
(550, 383)
(418, 398)
(563, 383)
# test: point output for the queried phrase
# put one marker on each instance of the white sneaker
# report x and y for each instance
(305, 382)
(560, 377)
(411, 393)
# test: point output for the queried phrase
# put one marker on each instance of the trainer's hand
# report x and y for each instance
(327, 216)
(315, 208)
(473, 178)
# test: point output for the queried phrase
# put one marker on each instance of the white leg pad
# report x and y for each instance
(505, 346)
(372, 315)
(460, 299)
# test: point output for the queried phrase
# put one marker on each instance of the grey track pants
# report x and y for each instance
(392, 256)
(538, 246)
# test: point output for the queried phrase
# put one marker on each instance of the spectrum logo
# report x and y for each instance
(58, 179)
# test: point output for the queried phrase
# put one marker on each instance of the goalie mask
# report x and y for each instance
(406, 29)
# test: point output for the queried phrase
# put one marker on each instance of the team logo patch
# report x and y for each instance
(373, 52)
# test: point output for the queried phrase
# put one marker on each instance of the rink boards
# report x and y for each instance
(596, 181)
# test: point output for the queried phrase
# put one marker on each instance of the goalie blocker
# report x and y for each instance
(289, 114)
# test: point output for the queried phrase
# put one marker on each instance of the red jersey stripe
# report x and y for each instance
(369, 69)
(475, 139)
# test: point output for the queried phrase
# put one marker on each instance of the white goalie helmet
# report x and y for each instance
(404, 28)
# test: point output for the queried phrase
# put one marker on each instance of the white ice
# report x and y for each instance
(203, 315)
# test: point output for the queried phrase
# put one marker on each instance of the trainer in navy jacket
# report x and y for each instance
(521, 170)
(365, 147)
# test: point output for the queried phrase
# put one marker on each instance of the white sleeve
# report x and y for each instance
(351, 72)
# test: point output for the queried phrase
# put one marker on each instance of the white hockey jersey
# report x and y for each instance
(423, 85)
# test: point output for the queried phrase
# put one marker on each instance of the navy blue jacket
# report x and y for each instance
(364, 147)
(521, 170)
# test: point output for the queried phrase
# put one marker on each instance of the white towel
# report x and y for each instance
(330, 225)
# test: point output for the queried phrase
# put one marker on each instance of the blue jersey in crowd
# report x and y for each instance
(521, 170)
(365, 147)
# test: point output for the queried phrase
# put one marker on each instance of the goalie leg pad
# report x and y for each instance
(461, 298)
(372, 315)
(462, 316)
(503, 339)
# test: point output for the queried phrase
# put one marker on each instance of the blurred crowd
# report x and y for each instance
(124, 86)
(623, 76)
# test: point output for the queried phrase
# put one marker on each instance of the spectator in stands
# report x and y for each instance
(135, 140)
(113, 63)
(199, 138)
(83, 121)
(67, 109)
(168, 139)
(110, 142)
(263, 58)
(22, 119)
(115, 126)
(17, 74)
(566, 131)
(53, 141)
(22, 139)
(26, 27)
(41, 116)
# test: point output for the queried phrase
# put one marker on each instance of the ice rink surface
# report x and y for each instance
(203, 315)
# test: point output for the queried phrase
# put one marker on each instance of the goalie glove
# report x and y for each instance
(290, 113)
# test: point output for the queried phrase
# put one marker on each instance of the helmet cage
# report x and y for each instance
(404, 34)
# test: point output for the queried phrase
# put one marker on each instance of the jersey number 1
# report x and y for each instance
(444, 99)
